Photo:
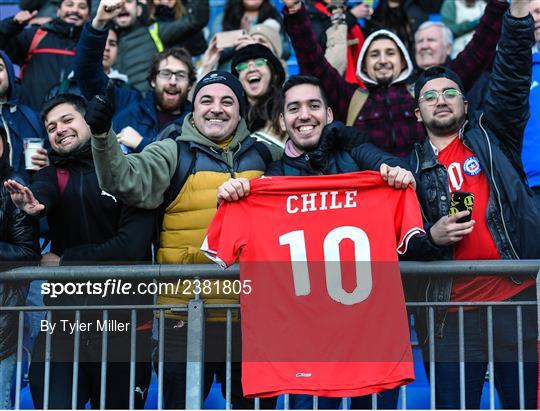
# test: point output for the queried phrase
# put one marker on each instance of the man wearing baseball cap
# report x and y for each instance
(181, 178)
(473, 160)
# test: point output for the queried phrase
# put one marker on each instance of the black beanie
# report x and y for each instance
(255, 51)
(223, 77)
(433, 73)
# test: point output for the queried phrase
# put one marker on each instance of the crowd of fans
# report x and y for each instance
(122, 120)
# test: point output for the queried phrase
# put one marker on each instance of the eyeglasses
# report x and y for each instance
(431, 96)
(167, 74)
(245, 65)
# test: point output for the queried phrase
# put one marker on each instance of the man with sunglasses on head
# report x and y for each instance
(479, 154)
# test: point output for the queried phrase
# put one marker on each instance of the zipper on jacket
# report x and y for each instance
(83, 209)
(389, 111)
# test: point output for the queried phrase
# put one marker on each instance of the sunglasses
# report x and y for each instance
(432, 96)
(245, 65)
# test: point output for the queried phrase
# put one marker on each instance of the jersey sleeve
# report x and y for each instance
(227, 234)
(407, 218)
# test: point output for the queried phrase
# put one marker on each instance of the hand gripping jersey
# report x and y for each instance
(326, 313)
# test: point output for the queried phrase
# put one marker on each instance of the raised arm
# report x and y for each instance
(88, 68)
(506, 107)
(477, 56)
(311, 58)
(138, 180)
(14, 40)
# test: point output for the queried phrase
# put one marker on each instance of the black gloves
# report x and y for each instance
(100, 111)
(335, 136)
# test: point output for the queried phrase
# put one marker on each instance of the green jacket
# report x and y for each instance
(141, 179)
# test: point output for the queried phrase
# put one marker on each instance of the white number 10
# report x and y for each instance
(297, 246)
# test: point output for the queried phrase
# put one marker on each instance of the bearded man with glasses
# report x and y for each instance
(138, 119)
(478, 155)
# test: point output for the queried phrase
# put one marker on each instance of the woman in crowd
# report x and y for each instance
(261, 74)
(18, 243)
(243, 15)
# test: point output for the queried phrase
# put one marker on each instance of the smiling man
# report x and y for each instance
(138, 119)
(433, 46)
(45, 54)
(317, 146)
(87, 226)
(385, 112)
(479, 153)
(182, 178)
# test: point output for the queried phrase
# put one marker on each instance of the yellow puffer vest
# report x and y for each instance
(183, 231)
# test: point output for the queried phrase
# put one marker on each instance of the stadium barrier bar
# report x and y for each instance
(171, 271)
(195, 346)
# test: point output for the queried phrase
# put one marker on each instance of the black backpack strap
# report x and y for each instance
(263, 151)
(186, 162)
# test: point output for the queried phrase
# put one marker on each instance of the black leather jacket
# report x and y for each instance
(495, 136)
(18, 245)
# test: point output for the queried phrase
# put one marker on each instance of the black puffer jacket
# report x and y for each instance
(495, 136)
(45, 69)
(18, 246)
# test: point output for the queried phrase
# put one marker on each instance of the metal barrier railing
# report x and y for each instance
(196, 324)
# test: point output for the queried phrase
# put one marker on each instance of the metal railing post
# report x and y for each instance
(104, 353)
(195, 356)
(19, 361)
(47, 373)
(431, 327)
(161, 355)
(461, 359)
(76, 351)
(521, 375)
(132, 359)
(228, 361)
(491, 362)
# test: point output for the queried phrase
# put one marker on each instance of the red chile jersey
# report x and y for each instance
(326, 313)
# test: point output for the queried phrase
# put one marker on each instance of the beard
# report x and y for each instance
(169, 105)
(446, 126)
(385, 81)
